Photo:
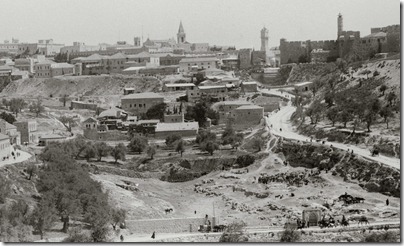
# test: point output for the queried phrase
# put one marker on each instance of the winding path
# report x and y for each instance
(281, 120)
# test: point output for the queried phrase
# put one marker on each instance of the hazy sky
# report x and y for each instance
(221, 22)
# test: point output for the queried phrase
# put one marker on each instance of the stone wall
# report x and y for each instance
(113, 135)
(165, 225)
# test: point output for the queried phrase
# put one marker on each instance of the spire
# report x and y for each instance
(181, 29)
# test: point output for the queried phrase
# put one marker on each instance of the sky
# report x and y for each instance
(217, 22)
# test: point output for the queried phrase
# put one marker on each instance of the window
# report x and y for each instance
(130, 105)
(140, 105)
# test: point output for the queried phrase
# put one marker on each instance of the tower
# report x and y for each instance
(340, 25)
(136, 41)
(264, 39)
(181, 37)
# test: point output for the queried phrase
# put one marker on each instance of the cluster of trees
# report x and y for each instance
(16, 105)
(200, 112)
(8, 117)
(234, 233)
(175, 141)
(68, 193)
(357, 105)
(79, 148)
(208, 141)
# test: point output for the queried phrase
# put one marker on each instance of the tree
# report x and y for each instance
(16, 105)
(258, 143)
(386, 113)
(199, 78)
(31, 170)
(117, 216)
(138, 144)
(156, 111)
(210, 146)
(44, 216)
(229, 136)
(5, 188)
(102, 150)
(180, 146)
(37, 107)
(383, 88)
(68, 122)
(315, 111)
(64, 99)
(119, 152)
(290, 235)
(245, 160)
(90, 151)
(76, 235)
(205, 135)
(384, 237)
(151, 151)
(234, 233)
(391, 97)
(329, 98)
(8, 117)
(332, 115)
(172, 139)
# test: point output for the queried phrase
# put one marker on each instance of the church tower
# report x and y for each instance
(264, 39)
(181, 37)
(340, 25)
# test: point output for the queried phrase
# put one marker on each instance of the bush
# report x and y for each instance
(385, 237)
(290, 235)
(171, 139)
(234, 233)
(245, 160)
(5, 189)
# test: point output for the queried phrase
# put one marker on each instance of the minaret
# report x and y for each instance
(340, 25)
(181, 34)
(264, 39)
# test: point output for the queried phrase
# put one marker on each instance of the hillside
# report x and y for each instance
(82, 85)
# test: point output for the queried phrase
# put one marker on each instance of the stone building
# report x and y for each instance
(216, 92)
(5, 146)
(174, 118)
(312, 216)
(11, 131)
(178, 87)
(28, 131)
(193, 64)
(244, 57)
(319, 55)
(139, 103)
(250, 86)
(247, 116)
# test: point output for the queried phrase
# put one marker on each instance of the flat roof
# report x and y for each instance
(143, 95)
(211, 86)
(3, 137)
(249, 83)
(198, 59)
(249, 107)
(148, 121)
(179, 85)
(183, 126)
(303, 83)
(52, 136)
(235, 103)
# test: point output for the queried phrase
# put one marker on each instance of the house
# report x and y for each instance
(247, 116)
(249, 86)
(28, 130)
(225, 108)
(178, 87)
(303, 86)
(184, 129)
(112, 118)
(216, 92)
(11, 131)
(139, 103)
(4, 146)
(174, 118)
(25, 64)
(268, 101)
(90, 123)
(46, 139)
(43, 69)
(197, 63)
(127, 91)
(59, 69)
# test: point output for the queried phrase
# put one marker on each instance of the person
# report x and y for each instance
(121, 238)
(195, 212)
(153, 235)
(387, 202)
(280, 129)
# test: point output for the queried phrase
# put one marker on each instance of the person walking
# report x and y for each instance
(121, 238)
(387, 202)
(153, 235)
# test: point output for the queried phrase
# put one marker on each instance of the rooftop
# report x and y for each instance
(249, 107)
(211, 87)
(143, 95)
(180, 85)
(3, 137)
(113, 112)
(249, 83)
(62, 65)
(303, 83)
(198, 59)
(183, 126)
(52, 136)
(147, 121)
(90, 120)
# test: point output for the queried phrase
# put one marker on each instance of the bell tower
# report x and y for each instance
(264, 39)
(181, 37)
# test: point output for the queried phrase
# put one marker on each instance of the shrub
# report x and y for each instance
(385, 237)
(290, 235)
(245, 160)
(5, 189)
(234, 233)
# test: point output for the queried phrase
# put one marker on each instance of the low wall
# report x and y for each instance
(165, 225)
(104, 136)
